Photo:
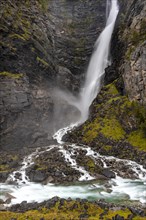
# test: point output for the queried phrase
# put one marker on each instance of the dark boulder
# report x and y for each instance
(108, 173)
(37, 176)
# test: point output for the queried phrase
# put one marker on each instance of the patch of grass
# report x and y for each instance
(112, 129)
(111, 89)
(44, 4)
(109, 127)
(43, 62)
(123, 213)
(17, 36)
(4, 168)
(69, 211)
(137, 139)
(91, 131)
(11, 75)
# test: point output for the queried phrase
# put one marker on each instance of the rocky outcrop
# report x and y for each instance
(115, 126)
(129, 52)
(134, 74)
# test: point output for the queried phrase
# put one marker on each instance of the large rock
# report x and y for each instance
(108, 173)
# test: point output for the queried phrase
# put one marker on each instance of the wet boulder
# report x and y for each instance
(108, 173)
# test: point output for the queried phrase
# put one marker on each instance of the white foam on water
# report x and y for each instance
(27, 162)
(84, 174)
(119, 187)
(61, 132)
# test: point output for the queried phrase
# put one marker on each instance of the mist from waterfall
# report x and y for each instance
(99, 61)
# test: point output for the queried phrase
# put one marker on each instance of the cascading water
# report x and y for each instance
(99, 61)
(120, 187)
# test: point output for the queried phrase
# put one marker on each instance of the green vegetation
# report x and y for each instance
(109, 127)
(44, 4)
(20, 24)
(4, 167)
(137, 139)
(106, 122)
(17, 36)
(11, 75)
(114, 122)
(71, 210)
(112, 129)
(43, 62)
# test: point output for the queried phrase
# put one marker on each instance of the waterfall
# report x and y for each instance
(107, 8)
(99, 61)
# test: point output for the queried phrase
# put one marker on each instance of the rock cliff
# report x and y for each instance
(129, 49)
(43, 44)
(47, 44)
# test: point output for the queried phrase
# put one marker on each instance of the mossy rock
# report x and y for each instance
(116, 122)
(70, 210)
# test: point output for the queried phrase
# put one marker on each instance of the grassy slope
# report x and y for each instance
(114, 123)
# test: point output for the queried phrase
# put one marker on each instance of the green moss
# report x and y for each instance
(139, 218)
(43, 62)
(44, 4)
(91, 131)
(109, 127)
(90, 166)
(114, 99)
(124, 213)
(91, 163)
(137, 139)
(69, 211)
(4, 168)
(107, 147)
(11, 75)
(116, 120)
(140, 114)
(17, 36)
(111, 89)
(112, 129)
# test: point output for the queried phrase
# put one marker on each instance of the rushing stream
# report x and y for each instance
(117, 189)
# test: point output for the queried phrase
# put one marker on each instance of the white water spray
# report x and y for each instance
(99, 61)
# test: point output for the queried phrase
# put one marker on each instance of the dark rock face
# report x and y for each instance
(42, 45)
(72, 20)
(129, 50)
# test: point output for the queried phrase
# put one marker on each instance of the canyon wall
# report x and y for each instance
(130, 49)
(43, 45)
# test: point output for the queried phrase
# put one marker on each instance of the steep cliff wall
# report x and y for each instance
(43, 44)
(130, 48)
